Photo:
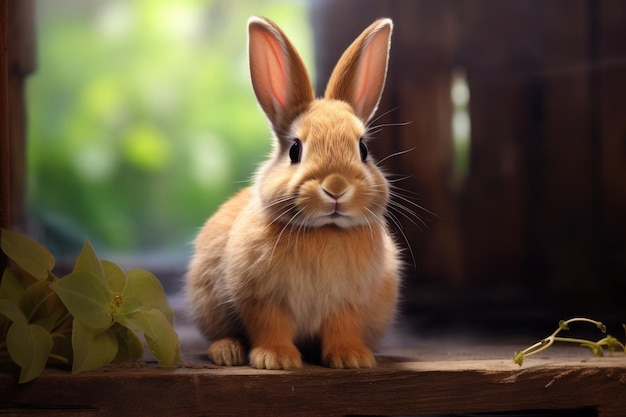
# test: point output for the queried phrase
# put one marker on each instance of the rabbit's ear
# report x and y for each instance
(359, 76)
(278, 74)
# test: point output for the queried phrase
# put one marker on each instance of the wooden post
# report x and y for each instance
(17, 60)
(4, 116)
(4, 124)
(609, 72)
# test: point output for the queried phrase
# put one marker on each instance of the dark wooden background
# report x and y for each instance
(537, 230)
(17, 60)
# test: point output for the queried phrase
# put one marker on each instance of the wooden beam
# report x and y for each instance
(399, 386)
(5, 206)
(4, 117)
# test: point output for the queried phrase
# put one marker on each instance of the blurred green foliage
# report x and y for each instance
(142, 120)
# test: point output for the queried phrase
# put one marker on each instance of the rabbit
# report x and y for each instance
(304, 253)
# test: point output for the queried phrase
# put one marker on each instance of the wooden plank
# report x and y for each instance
(21, 59)
(399, 386)
(420, 83)
(528, 203)
(4, 119)
(16, 61)
(5, 183)
(610, 75)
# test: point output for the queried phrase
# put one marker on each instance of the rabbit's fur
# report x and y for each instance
(304, 253)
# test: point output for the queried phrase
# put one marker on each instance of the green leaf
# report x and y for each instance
(11, 286)
(160, 336)
(146, 288)
(115, 276)
(93, 349)
(50, 320)
(29, 346)
(87, 261)
(130, 347)
(612, 343)
(595, 349)
(127, 306)
(27, 254)
(10, 310)
(563, 325)
(33, 298)
(86, 298)
(142, 322)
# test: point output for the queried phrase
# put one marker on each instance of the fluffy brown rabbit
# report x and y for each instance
(304, 253)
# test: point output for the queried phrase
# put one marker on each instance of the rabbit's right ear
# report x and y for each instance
(278, 74)
(359, 76)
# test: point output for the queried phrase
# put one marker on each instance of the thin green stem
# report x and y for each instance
(538, 347)
(573, 340)
(64, 322)
(598, 324)
(60, 358)
(39, 304)
(564, 325)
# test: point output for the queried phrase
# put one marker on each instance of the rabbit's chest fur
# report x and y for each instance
(313, 271)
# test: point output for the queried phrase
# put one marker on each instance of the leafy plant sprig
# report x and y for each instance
(597, 348)
(88, 318)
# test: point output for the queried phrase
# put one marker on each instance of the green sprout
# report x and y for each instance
(597, 348)
(87, 319)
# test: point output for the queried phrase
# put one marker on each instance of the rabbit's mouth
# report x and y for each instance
(339, 219)
(338, 211)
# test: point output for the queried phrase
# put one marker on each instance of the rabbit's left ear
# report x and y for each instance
(279, 78)
(359, 76)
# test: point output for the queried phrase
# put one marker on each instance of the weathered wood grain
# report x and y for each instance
(399, 386)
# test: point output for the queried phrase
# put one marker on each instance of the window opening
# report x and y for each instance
(461, 123)
(142, 121)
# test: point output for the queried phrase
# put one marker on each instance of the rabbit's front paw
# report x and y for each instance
(275, 357)
(229, 351)
(349, 357)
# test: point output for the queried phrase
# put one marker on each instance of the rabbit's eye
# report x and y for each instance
(295, 152)
(363, 149)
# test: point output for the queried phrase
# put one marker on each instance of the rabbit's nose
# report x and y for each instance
(335, 196)
(335, 186)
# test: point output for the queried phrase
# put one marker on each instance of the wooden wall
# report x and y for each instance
(538, 227)
(17, 60)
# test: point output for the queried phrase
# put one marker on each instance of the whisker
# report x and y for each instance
(394, 154)
(400, 178)
(370, 134)
(280, 215)
(407, 213)
(380, 116)
(383, 125)
(414, 204)
(287, 225)
(368, 221)
(399, 228)
(277, 201)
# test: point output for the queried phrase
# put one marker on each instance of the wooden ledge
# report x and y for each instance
(399, 386)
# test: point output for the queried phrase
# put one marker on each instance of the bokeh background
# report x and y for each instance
(142, 119)
(501, 122)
